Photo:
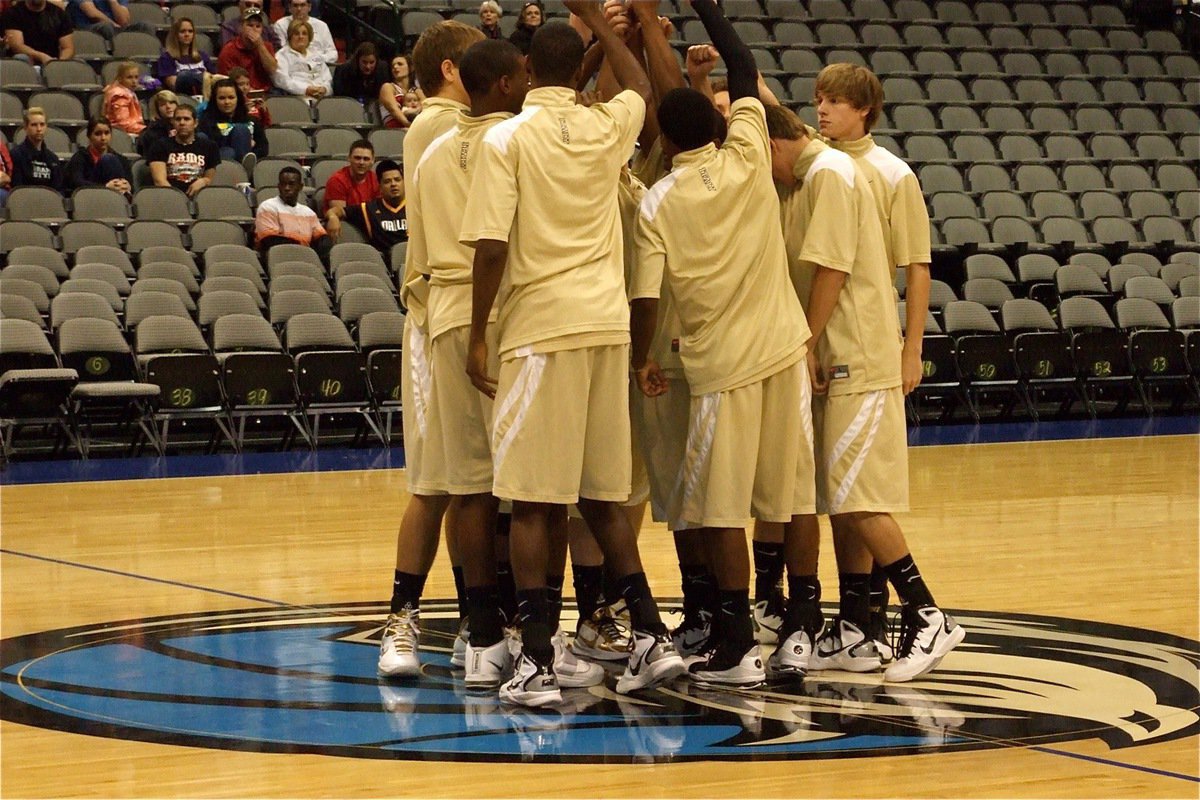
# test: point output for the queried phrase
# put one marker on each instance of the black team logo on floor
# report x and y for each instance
(303, 680)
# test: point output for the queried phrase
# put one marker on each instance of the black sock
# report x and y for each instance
(879, 590)
(768, 569)
(643, 611)
(699, 590)
(533, 607)
(483, 607)
(508, 592)
(804, 606)
(736, 628)
(460, 588)
(855, 591)
(504, 574)
(589, 589)
(406, 590)
(905, 576)
(554, 584)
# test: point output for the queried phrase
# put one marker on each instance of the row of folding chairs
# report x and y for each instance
(1069, 13)
(172, 375)
(1059, 234)
(136, 236)
(1075, 178)
(1026, 355)
(1137, 205)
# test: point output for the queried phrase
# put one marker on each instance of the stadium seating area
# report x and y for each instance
(1057, 144)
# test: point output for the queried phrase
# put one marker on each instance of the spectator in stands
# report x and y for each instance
(227, 122)
(413, 104)
(181, 66)
(256, 102)
(162, 121)
(34, 164)
(354, 183)
(105, 17)
(322, 40)
(97, 164)
(302, 71)
(121, 105)
(37, 31)
(284, 220)
(532, 17)
(489, 19)
(184, 161)
(251, 51)
(392, 94)
(362, 76)
(6, 168)
(383, 220)
(232, 28)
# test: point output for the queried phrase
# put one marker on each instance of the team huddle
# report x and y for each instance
(725, 343)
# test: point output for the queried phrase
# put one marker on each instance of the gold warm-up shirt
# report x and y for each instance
(437, 197)
(438, 115)
(830, 220)
(547, 183)
(711, 227)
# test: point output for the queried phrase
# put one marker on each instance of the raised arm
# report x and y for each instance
(739, 61)
(624, 65)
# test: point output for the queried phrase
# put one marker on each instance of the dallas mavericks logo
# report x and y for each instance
(303, 680)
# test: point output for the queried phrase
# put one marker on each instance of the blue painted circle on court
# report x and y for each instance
(303, 680)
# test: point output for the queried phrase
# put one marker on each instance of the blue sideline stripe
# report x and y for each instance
(337, 460)
(1111, 763)
(135, 576)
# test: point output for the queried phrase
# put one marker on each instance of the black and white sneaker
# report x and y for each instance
(692, 634)
(844, 646)
(926, 636)
(768, 618)
(532, 684)
(652, 661)
(879, 630)
(730, 667)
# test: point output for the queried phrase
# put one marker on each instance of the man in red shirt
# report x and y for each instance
(355, 183)
(251, 51)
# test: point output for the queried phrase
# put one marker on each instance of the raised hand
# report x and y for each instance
(701, 60)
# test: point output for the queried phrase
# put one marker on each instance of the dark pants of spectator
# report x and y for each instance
(109, 167)
(321, 246)
(108, 30)
(236, 144)
(190, 82)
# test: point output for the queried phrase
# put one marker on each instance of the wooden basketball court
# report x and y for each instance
(1103, 530)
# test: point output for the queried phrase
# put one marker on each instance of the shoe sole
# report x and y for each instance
(658, 673)
(951, 641)
(399, 672)
(786, 670)
(858, 665)
(709, 683)
(532, 699)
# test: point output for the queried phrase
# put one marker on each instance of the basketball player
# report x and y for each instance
(542, 215)
(840, 269)
(849, 99)
(435, 59)
(711, 226)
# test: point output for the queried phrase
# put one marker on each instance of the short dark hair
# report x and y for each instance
(486, 62)
(362, 144)
(291, 171)
(556, 53)
(387, 165)
(685, 117)
(185, 107)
